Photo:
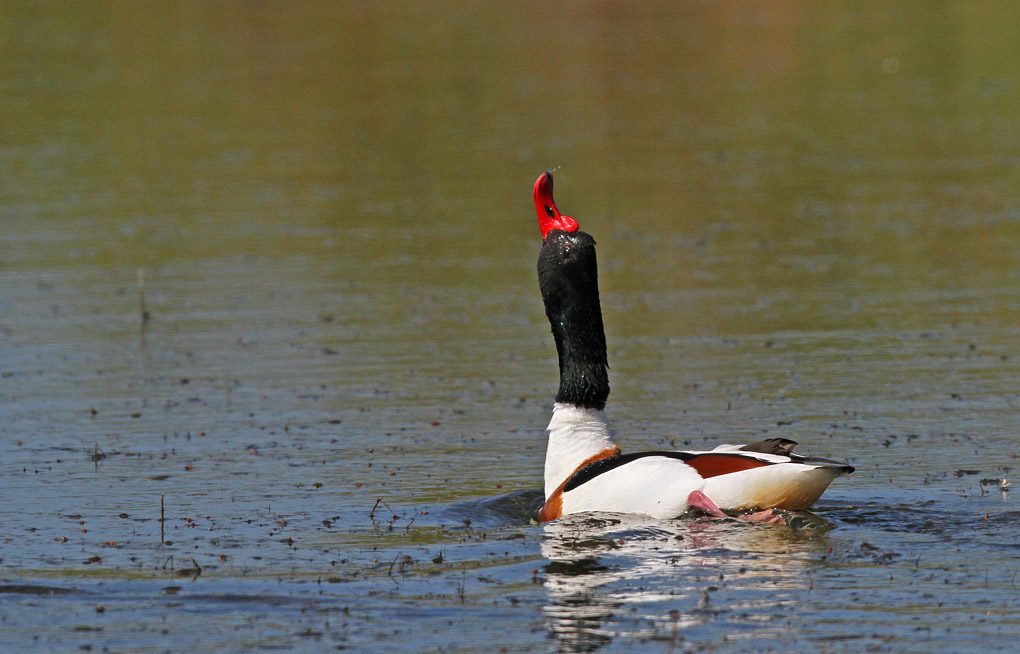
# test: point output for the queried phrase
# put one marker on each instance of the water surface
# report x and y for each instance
(273, 364)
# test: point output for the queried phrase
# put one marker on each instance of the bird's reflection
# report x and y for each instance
(609, 574)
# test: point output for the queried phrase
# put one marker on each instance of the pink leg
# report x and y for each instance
(768, 515)
(698, 500)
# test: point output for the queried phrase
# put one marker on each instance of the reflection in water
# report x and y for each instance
(603, 566)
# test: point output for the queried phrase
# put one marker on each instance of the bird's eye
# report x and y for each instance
(549, 211)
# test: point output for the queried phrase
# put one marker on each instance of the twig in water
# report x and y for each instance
(371, 514)
(194, 573)
(97, 455)
(142, 311)
(161, 518)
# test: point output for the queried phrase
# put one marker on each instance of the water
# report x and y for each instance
(807, 228)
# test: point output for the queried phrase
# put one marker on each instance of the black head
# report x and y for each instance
(568, 278)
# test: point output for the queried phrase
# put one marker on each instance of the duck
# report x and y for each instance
(586, 471)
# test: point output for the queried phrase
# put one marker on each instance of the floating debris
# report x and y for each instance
(1001, 484)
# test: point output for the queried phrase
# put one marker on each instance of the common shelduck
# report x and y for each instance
(585, 470)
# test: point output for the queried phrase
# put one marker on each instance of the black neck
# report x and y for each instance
(568, 278)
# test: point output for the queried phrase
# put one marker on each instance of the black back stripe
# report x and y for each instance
(596, 468)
